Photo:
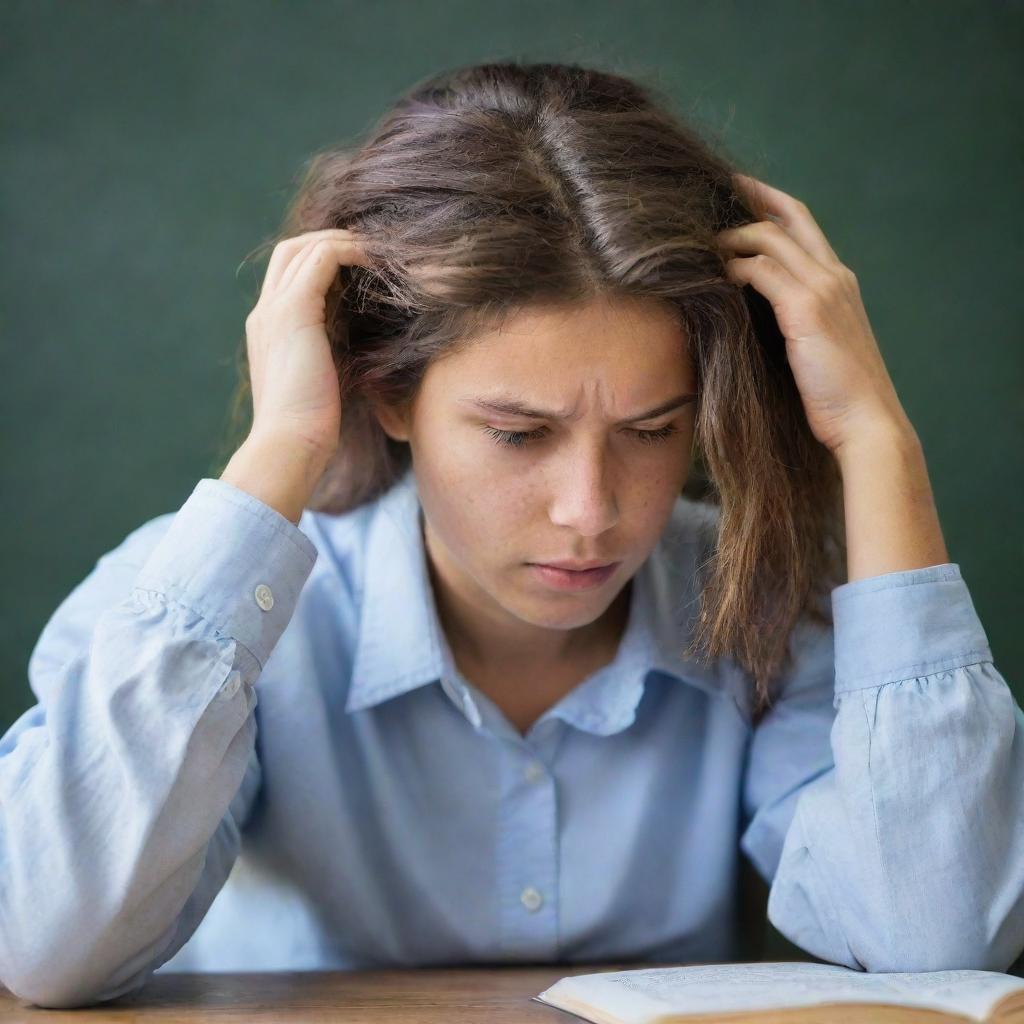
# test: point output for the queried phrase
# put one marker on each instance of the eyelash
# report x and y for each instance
(520, 438)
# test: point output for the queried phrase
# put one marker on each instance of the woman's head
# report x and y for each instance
(587, 470)
(547, 232)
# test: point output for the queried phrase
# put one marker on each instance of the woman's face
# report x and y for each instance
(578, 482)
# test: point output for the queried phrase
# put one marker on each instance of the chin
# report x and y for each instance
(572, 618)
(563, 610)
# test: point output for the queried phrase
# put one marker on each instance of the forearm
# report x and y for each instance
(909, 854)
(112, 803)
(122, 793)
(891, 520)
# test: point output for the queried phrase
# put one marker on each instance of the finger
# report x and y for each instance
(794, 216)
(317, 267)
(770, 278)
(288, 249)
(773, 240)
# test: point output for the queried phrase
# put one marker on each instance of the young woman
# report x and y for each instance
(446, 667)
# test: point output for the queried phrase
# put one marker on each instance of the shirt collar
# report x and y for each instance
(401, 644)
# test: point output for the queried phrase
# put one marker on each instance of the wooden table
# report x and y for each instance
(453, 995)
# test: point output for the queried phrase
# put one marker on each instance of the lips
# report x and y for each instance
(569, 579)
(575, 566)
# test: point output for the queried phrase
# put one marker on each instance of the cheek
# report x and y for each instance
(492, 484)
(472, 513)
(458, 456)
(498, 519)
(648, 501)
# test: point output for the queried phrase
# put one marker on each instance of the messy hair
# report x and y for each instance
(491, 187)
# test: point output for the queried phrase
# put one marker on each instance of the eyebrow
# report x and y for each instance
(514, 407)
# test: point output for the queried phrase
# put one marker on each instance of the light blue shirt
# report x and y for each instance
(252, 751)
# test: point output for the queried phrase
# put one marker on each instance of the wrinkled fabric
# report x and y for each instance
(252, 750)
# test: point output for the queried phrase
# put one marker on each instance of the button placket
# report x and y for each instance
(527, 857)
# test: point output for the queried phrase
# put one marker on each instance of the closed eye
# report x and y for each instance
(520, 438)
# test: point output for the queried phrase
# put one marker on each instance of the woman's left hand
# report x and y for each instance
(846, 390)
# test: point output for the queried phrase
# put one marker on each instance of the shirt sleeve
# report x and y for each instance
(884, 792)
(122, 791)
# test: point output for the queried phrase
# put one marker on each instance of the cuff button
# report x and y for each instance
(264, 597)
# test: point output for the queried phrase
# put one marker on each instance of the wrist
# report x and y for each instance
(881, 442)
(281, 472)
(891, 520)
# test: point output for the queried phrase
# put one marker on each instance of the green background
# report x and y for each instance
(148, 147)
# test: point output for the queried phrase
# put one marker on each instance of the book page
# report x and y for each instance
(642, 994)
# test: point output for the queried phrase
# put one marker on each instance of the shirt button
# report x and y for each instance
(264, 597)
(534, 771)
(530, 898)
(230, 688)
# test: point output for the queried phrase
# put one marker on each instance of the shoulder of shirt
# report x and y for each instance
(340, 539)
(688, 541)
(693, 524)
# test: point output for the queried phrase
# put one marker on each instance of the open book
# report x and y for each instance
(783, 992)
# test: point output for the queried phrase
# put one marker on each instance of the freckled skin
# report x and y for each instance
(585, 489)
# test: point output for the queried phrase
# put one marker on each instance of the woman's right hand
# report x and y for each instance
(296, 392)
(295, 386)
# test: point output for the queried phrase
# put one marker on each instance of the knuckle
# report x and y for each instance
(838, 282)
(286, 244)
(829, 285)
(318, 250)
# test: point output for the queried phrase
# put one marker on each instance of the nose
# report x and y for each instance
(584, 493)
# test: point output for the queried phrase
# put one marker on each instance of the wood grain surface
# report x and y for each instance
(455, 995)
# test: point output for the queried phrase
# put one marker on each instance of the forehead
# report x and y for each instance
(619, 336)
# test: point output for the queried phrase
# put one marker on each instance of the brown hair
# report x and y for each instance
(492, 186)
